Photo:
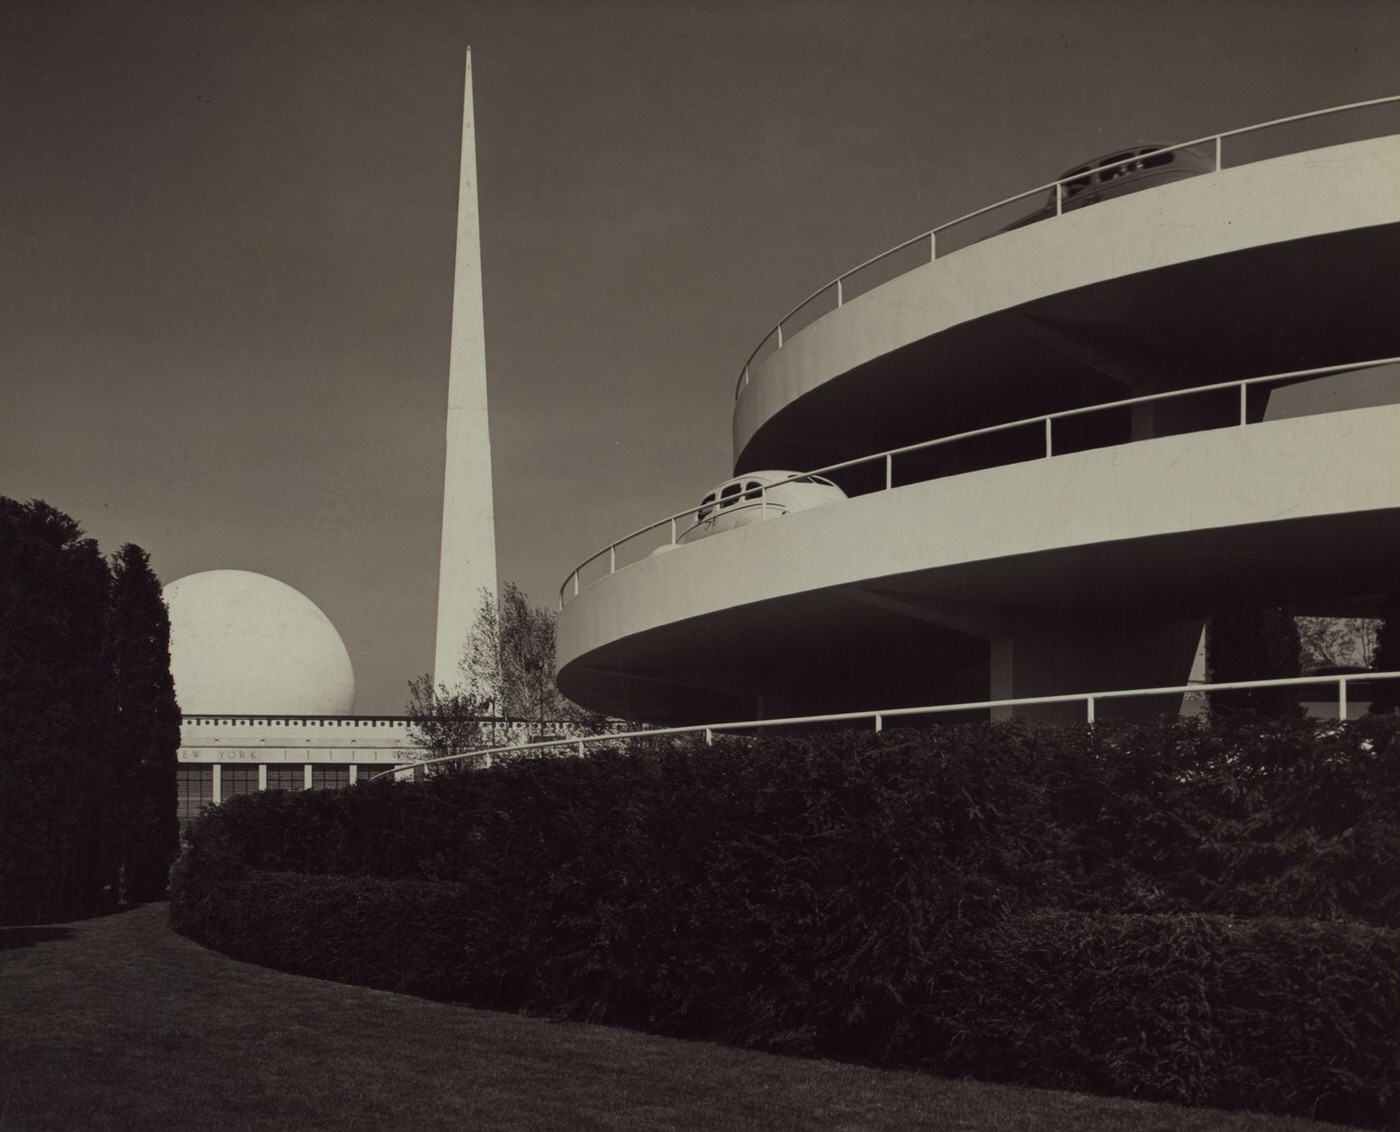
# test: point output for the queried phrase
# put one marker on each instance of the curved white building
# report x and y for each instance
(1066, 443)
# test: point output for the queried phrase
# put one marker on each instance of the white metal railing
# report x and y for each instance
(930, 238)
(1047, 421)
(1090, 700)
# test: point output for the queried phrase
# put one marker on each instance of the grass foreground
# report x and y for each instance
(119, 1023)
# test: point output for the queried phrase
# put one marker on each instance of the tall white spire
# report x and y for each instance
(468, 563)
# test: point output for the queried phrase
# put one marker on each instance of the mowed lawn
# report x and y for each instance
(118, 1023)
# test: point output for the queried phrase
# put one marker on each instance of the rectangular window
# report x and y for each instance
(329, 777)
(364, 773)
(196, 790)
(286, 778)
(242, 779)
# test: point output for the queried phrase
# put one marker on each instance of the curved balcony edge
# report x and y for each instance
(1314, 193)
(1146, 531)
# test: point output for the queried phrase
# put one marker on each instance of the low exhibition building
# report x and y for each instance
(266, 690)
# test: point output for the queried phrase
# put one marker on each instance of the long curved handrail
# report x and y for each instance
(1057, 187)
(1046, 420)
(1090, 701)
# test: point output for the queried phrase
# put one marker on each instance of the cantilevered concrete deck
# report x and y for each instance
(1276, 265)
(1010, 575)
(1031, 579)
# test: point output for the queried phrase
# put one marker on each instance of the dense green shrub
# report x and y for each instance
(1089, 908)
(1285, 1015)
(399, 935)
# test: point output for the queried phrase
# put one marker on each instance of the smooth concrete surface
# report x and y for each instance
(242, 642)
(1134, 539)
(1270, 266)
(468, 560)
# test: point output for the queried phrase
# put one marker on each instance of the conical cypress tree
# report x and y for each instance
(55, 713)
(146, 727)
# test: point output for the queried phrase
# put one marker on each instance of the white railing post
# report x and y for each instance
(1059, 197)
(580, 746)
(780, 335)
(1342, 699)
(889, 471)
(932, 246)
(709, 738)
(879, 723)
(673, 532)
(840, 295)
(1049, 446)
(612, 559)
(746, 376)
(1218, 165)
(1089, 709)
(1244, 403)
(575, 583)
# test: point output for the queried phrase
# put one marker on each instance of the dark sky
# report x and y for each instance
(227, 230)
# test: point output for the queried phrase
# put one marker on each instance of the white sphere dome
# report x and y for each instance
(246, 644)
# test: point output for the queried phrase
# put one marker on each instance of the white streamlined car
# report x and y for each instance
(757, 496)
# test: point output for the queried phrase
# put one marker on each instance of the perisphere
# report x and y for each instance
(245, 644)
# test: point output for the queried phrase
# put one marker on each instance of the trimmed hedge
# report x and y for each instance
(1056, 906)
(1284, 1015)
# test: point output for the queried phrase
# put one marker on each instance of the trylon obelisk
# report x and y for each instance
(468, 563)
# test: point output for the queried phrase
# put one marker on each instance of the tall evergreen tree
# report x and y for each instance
(146, 728)
(55, 710)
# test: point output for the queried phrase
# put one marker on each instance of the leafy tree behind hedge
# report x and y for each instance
(506, 670)
(87, 745)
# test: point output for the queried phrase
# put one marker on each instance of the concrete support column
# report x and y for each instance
(1002, 685)
(1059, 657)
(217, 794)
(1143, 420)
(262, 776)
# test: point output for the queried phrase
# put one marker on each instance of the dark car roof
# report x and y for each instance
(1116, 174)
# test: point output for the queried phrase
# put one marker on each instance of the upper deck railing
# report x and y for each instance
(1045, 424)
(836, 292)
